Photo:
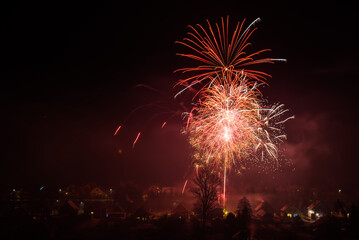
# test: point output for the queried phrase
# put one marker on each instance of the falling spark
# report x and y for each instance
(138, 135)
(164, 124)
(119, 127)
(184, 186)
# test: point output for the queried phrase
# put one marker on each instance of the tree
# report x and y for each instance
(244, 215)
(339, 208)
(206, 184)
(244, 211)
(353, 223)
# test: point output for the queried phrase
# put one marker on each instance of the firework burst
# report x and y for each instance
(230, 126)
(221, 54)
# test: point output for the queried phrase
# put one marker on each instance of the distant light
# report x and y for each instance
(92, 213)
(311, 211)
(60, 190)
(13, 190)
(348, 215)
(225, 212)
(110, 189)
(317, 214)
(339, 190)
(57, 200)
(289, 215)
(294, 215)
(42, 188)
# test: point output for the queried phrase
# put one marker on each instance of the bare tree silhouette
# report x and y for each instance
(205, 190)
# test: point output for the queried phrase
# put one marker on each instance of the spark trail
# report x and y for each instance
(220, 53)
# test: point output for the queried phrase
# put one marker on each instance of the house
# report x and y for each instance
(69, 208)
(290, 211)
(116, 214)
(216, 213)
(98, 208)
(180, 212)
(70, 191)
(97, 192)
(315, 210)
(264, 211)
(141, 214)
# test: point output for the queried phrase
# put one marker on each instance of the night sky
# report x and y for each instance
(69, 71)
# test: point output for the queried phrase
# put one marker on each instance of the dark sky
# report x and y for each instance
(68, 73)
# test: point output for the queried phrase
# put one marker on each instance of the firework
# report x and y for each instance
(118, 129)
(221, 54)
(138, 135)
(161, 108)
(270, 132)
(231, 126)
(224, 122)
